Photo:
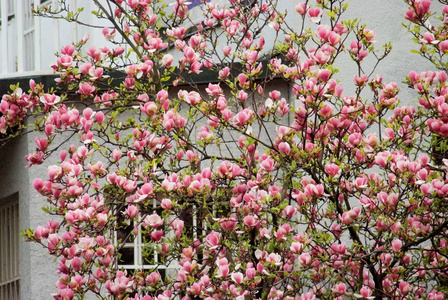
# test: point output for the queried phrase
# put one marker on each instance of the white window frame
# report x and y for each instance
(29, 36)
(138, 245)
(6, 14)
(19, 28)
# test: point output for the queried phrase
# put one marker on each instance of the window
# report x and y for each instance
(11, 8)
(7, 18)
(28, 35)
(134, 254)
(8, 6)
(9, 245)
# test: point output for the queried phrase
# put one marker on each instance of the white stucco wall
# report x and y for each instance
(386, 17)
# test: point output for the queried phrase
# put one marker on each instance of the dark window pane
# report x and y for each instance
(127, 256)
(124, 229)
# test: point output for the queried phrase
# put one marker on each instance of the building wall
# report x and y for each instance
(37, 275)
(25, 55)
(386, 17)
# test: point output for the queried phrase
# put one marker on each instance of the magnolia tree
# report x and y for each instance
(244, 193)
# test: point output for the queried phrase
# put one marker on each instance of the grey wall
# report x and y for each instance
(37, 271)
(386, 17)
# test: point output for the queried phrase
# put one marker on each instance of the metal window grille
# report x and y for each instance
(134, 255)
(9, 245)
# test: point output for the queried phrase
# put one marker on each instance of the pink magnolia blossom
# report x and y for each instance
(131, 211)
(340, 289)
(178, 226)
(153, 220)
(443, 46)
(396, 245)
(222, 181)
(304, 259)
(237, 277)
(68, 50)
(86, 88)
(166, 204)
(65, 61)
(301, 8)
(315, 14)
(41, 232)
(157, 235)
(223, 271)
(50, 100)
(228, 223)
(94, 52)
(251, 221)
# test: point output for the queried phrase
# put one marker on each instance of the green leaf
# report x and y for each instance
(331, 14)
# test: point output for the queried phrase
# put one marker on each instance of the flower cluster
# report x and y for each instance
(249, 194)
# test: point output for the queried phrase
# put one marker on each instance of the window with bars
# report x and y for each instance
(9, 246)
(134, 252)
(137, 253)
